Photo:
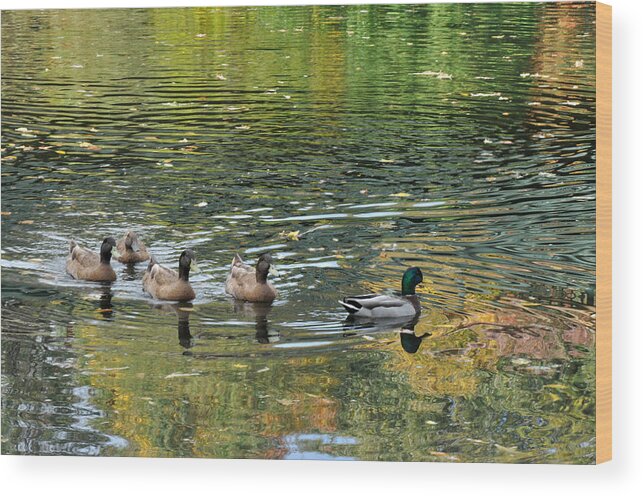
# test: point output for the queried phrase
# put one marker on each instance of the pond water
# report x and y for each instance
(456, 138)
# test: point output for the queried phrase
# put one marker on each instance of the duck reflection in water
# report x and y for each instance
(131, 272)
(182, 311)
(185, 338)
(410, 342)
(105, 306)
(258, 311)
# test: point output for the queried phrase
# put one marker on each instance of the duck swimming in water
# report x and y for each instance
(164, 283)
(377, 306)
(82, 263)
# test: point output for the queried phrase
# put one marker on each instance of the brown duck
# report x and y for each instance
(83, 263)
(132, 249)
(163, 283)
(249, 283)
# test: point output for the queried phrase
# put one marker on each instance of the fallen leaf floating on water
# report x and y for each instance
(443, 454)
(484, 94)
(291, 235)
(29, 133)
(89, 146)
(435, 74)
(25, 222)
(520, 361)
(505, 449)
(400, 195)
(535, 75)
(201, 204)
(180, 374)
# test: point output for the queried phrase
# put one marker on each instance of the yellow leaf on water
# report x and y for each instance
(291, 235)
(556, 386)
(400, 195)
(61, 152)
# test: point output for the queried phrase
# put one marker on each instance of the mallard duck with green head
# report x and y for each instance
(377, 306)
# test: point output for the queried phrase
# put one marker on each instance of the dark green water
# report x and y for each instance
(458, 138)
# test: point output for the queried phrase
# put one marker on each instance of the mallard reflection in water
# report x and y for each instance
(409, 340)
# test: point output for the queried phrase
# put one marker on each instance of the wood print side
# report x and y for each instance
(603, 233)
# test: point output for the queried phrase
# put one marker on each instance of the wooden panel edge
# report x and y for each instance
(603, 232)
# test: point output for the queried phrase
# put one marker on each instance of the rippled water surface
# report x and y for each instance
(457, 138)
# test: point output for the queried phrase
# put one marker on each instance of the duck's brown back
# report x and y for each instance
(85, 264)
